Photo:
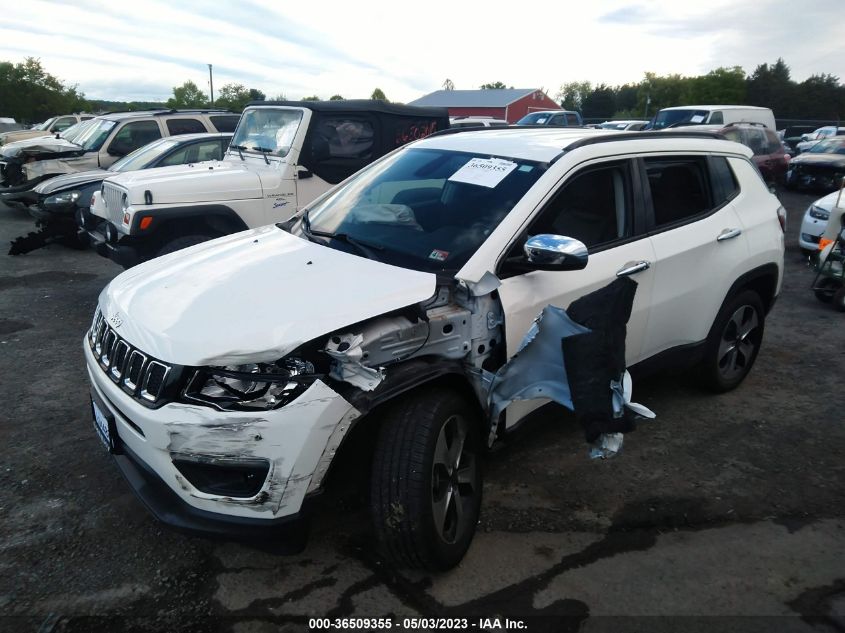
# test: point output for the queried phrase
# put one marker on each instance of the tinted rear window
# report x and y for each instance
(225, 123)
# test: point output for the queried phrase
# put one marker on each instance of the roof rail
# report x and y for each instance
(193, 111)
(632, 136)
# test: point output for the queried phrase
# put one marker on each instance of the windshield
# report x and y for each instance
(671, 118)
(94, 136)
(423, 209)
(535, 118)
(831, 146)
(44, 126)
(142, 157)
(75, 131)
(266, 130)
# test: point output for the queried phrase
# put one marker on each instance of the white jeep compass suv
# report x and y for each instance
(227, 377)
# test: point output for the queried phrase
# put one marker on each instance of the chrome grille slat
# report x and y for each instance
(144, 378)
(113, 199)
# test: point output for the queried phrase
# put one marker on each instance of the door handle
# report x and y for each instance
(303, 173)
(728, 234)
(632, 268)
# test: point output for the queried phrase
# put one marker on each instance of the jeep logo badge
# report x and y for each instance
(115, 320)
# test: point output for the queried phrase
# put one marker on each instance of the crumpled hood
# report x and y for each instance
(41, 145)
(70, 181)
(252, 297)
(211, 181)
(820, 159)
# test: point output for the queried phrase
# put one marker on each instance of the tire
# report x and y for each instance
(826, 289)
(423, 508)
(839, 299)
(183, 241)
(733, 342)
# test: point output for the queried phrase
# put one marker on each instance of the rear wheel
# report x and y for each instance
(734, 342)
(426, 479)
(826, 288)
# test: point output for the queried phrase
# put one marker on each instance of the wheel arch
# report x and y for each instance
(219, 218)
(402, 380)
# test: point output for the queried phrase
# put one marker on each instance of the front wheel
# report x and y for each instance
(425, 493)
(734, 342)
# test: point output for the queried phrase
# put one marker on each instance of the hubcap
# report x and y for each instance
(736, 348)
(453, 480)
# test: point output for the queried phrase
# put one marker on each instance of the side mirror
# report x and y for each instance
(555, 252)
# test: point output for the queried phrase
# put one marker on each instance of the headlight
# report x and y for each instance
(64, 199)
(819, 213)
(124, 202)
(253, 387)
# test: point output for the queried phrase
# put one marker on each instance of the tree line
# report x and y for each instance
(819, 97)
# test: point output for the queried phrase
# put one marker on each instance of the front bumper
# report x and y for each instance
(811, 230)
(297, 441)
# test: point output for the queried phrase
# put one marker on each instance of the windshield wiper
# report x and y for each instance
(239, 148)
(364, 248)
(264, 151)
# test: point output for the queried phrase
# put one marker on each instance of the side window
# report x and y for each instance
(774, 143)
(595, 206)
(63, 123)
(716, 117)
(725, 185)
(343, 137)
(679, 188)
(733, 135)
(558, 119)
(184, 126)
(209, 150)
(572, 120)
(86, 118)
(225, 123)
(757, 141)
(132, 136)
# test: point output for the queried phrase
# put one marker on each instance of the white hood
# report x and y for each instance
(252, 297)
(211, 181)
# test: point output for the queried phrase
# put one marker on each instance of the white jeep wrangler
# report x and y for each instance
(227, 378)
(282, 156)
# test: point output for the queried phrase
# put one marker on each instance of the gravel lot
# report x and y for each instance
(723, 507)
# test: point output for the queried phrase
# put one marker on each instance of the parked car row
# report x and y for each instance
(106, 138)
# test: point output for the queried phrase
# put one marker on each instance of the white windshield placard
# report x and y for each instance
(485, 172)
(698, 118)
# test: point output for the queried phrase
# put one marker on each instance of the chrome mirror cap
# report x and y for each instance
(556, 250)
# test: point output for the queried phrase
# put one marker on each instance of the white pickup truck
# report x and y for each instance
(283, 155)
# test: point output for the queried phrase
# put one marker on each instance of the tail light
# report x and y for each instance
(782, 218)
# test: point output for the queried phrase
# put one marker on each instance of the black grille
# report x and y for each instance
(142, 377)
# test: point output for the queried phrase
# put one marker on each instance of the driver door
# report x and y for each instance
(600, 206)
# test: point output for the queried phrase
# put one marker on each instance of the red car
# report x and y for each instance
(769, 154)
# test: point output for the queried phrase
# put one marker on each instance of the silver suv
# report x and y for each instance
(108, 137)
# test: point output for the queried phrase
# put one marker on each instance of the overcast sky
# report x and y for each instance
(139, 50)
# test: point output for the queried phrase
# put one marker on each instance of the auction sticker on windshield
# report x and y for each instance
(486, 172)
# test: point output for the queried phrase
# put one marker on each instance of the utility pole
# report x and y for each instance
(211, 86)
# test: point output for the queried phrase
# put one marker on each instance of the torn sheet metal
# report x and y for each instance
(607, 445)
(576, 357)
(484, 286)
(347, 352)
(537, 369)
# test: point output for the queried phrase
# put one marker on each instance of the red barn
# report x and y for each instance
(510, 104)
